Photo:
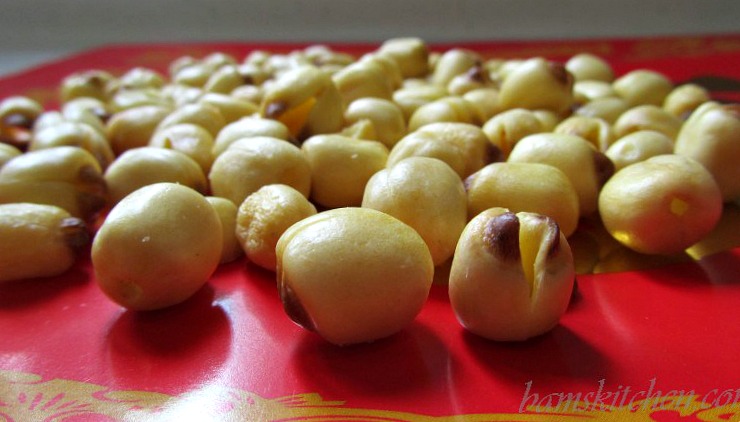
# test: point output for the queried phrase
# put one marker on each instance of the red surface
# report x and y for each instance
(232, 350)
(675, 327)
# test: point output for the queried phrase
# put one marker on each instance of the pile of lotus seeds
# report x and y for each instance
(360, 181)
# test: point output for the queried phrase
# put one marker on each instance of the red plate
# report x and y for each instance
(656, 343)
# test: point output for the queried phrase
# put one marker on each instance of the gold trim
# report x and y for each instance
(28, 397)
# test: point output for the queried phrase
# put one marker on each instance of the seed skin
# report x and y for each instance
(552, 237)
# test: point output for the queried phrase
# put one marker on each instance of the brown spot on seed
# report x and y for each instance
(274, 110)
(604, 167)
(101, 113)
(201, 187)
(561, 74)
(89, 175)
(247, 79)
(501, 236)
(293, 306)
(493, 154)
(476, 74)
(96, 81)
(294, 140)
(75, 234)
(90, 204)
(18, 120)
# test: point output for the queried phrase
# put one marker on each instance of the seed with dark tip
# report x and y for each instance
(274, 110)
(90, 204)
(604, 167)
(293, 306)
(18, 120)
(75, 233)
(89, 175)
(561, 74)
(477, 74)
(493, 154)
(97, 81)
(101, 113)
(501, 236)
(247, 79)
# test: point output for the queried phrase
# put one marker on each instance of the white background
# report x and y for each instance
(32, 31)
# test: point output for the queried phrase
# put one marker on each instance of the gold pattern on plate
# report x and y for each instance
(28, 397)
